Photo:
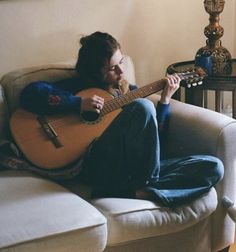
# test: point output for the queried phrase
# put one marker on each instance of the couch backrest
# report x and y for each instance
(13, 82)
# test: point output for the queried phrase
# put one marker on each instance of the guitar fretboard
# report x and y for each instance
(191, 77)
(127, 98)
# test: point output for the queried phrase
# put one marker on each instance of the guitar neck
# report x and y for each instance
(191, 77)
(127, 98)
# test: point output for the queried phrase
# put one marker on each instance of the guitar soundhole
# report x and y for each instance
(90, 117)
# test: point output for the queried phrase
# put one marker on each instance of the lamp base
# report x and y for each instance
(217, 60)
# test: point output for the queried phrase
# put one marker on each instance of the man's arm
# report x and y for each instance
(162, 113)
(45, 98)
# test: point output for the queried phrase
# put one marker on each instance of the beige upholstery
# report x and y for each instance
(198, 130)
(34, 209)
(39, 215)
(132, 220)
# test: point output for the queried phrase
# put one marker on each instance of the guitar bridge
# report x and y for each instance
(49, 131)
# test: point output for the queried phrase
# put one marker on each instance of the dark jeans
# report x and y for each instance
(127, 157)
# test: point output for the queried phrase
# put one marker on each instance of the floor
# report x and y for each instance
(233, 248)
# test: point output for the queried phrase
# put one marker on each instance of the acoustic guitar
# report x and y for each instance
(52, 142)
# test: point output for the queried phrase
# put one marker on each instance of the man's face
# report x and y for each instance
(114, 70)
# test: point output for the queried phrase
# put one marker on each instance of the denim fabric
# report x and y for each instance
(127, 157)
(184, 179)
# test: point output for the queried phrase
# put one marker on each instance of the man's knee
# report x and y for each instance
(217, 167)
(144, 106)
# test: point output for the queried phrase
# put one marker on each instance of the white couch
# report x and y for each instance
(37, 214)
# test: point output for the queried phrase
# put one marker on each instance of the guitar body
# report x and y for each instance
(74, 133)
(52, 142)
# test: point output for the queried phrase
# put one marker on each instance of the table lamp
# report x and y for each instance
(214, 57)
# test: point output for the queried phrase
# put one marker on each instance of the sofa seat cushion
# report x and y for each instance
(132, 219)
(33, 208)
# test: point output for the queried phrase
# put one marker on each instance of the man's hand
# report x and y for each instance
(94, 104)
(172, 85)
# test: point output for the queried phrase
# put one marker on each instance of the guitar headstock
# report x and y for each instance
(192, 77)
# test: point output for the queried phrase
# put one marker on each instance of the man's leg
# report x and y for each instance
(127, 154)
(184, 179)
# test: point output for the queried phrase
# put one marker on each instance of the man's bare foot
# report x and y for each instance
(145, 195)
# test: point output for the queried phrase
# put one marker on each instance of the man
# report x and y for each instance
(125, 160)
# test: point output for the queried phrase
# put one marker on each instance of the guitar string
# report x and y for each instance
(109, 105)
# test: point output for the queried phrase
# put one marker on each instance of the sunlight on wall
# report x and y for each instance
(154, 33)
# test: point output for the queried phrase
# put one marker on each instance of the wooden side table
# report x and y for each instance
(198, 96)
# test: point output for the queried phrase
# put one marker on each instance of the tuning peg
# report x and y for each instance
(196, 79)
(200, 83)
(189, 85)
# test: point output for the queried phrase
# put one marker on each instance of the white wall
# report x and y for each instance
(155, 33)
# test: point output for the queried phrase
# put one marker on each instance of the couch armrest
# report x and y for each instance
(195, 130)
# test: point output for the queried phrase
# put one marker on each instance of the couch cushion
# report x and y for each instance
(33, 208)
(131, 219)
(13, 82)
